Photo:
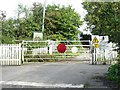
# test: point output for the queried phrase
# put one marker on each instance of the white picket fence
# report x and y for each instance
(10, 54)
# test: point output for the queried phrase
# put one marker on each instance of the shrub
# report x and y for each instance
(114, 72)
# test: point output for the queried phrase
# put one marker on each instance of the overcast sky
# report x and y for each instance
(10, 6)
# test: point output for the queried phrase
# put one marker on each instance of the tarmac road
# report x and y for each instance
(59, 74)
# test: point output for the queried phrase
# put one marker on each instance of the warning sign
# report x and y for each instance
(96, 45)
(95, 40)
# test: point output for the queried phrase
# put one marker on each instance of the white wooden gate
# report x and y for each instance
(10, 54)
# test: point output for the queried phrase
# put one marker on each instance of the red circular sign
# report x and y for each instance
(61, 48)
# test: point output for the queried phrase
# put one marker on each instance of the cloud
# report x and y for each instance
(11, 7)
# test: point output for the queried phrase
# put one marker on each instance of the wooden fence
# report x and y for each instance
(10, 54)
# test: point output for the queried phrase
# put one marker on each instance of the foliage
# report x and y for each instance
(104, 18)
(19, 28)
(37, 11)
(7, 35)
(61, 24)
(114, 73)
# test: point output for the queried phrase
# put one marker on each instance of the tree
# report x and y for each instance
(25, 24)
(61, 23)
(37, 10)
(20, 28)
(8, 32)
(104, 19)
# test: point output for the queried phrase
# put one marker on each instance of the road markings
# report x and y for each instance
(43, 85)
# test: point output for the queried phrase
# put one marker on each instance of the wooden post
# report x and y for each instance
(19, 60)
(22, 51)
(95, 56)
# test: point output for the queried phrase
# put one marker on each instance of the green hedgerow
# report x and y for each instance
(114, 72)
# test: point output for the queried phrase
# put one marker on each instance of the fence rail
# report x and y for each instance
(10, 54)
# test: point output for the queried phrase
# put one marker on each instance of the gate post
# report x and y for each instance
(50, 45)
(19, 62)
(92, 52)
(93, 55)
(50, 49)
(22, 52)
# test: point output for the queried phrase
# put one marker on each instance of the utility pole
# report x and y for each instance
(2, 17)
(43, 16)
(44, 8)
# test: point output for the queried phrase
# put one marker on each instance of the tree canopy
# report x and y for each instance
(104, 19)
(61, 23)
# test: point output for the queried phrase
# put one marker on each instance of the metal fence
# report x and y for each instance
(47, 50)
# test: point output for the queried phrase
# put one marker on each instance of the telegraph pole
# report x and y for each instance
(44, 8)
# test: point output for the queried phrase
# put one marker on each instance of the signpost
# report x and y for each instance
(99, 44)
(95, 41)
(37, 36)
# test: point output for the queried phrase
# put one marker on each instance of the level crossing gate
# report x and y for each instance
(15, 54)
(47, 51)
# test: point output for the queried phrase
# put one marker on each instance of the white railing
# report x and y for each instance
(106, 55)
(10, 54)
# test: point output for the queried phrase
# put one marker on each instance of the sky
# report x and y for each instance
(10, 6)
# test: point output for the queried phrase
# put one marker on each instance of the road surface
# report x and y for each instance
(55, 74)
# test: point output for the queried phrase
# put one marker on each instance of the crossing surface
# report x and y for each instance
(58, 74)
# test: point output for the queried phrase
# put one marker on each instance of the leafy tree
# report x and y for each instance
(104, 19)
(25, 24)
(37, 10)
(61, 23)
(7, 32)
(20, 28)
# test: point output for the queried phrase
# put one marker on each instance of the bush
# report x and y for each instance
(114, 72)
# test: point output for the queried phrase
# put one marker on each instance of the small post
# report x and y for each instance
(50, 50)
(92, 51)
(50, 47)
(104, 59)
(95, 56)
(22, 52)
(19, 54)
(92, 55)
